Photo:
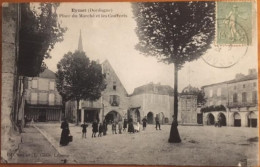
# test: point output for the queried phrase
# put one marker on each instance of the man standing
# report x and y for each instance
(157, 122)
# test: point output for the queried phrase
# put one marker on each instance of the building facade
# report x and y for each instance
(152, 100)
(232, 102)
(43, 102)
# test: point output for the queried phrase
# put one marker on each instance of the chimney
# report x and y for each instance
(239, 75)
(252, 71)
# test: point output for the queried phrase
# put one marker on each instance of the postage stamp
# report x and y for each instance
(234, 23)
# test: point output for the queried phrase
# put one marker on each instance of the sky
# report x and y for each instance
(114, 39)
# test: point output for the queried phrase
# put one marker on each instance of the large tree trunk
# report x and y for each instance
(174, 134)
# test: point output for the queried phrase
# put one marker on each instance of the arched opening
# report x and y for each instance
(252, 120)
(134, 113)
(210, 119)
(222, 119)
(237, 119)
(161, 118)
(113, 116)
(150, 118)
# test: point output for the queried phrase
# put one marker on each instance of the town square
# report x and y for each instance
(141, 83)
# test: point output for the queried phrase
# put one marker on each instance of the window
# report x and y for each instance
(114, 100)
(51, 85)
(210, 93)
(244, 85)
(219, 92)
(34, 83)
(234, 97)
(254, 97)
(51, 99)
(244, 98)
(34, 98)
(114, 85)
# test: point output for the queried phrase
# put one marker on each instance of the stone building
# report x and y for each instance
(188, 106)
(10, 80)
(113, 103)
(152, 100)
(232, 102)
(43, 102)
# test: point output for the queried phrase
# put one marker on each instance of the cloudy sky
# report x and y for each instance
(114, 39)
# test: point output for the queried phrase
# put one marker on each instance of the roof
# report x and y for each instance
(189, 90)
(47, 74)
(240, 79)
(155, 89)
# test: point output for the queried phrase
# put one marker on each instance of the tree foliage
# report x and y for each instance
(39, 31)
(78, 78)
(174, 32)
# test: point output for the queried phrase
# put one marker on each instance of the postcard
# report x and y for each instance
(130, 83)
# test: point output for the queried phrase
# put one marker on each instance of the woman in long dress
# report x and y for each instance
(64, 139)
(174, 134)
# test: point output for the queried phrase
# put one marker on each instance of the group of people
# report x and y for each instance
(101, 128)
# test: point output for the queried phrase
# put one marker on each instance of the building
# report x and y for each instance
(152, 100)
(112, 105)
(43, 102)
(188, 113)
(232, 102)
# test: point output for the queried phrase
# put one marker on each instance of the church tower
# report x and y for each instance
(80, 46)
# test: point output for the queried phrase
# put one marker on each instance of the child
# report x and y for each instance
(114, 128)
(100, 130)
(94, 128)
(84, 130)
(120, 126)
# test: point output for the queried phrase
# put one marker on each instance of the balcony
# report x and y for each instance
(241, 104)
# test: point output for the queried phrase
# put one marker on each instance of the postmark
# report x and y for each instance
(233, 23)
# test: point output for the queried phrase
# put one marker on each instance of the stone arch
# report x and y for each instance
(237, 119)
(113, 116)
(134, 113)
(210, 119)
(251, 119)
(161, 118)
(222, 119)
(150, 117)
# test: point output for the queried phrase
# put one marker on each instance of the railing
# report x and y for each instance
(242, 104)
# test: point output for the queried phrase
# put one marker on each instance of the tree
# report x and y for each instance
(174, 32)
(78, 78)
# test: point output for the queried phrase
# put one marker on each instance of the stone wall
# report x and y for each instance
(9, 80)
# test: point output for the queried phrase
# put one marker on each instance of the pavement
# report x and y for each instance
(37, 147)
(201, 146)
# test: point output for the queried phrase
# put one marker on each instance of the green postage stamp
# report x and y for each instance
(234, 23)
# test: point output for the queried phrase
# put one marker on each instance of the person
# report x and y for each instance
(144, 123)
(136, 127)
(131, 126)
(104, 127)
(174, 134)
(94, 128)
(157, 123)
(84, 130)
(120, 127)
(64, 140)
(113, 127)
(100, 130)
(125, 124)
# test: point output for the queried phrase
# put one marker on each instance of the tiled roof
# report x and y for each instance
(240, 79)
(155, 89)
(47, 74)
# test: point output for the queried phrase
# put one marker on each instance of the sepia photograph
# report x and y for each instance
(130, 83)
